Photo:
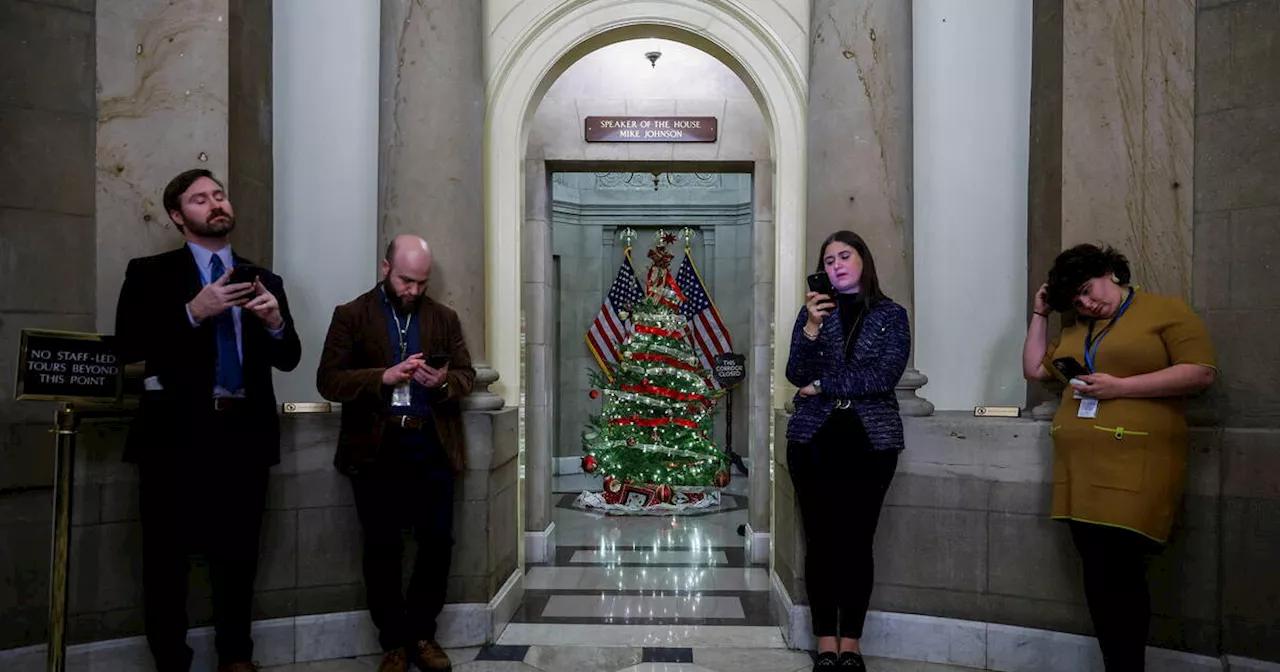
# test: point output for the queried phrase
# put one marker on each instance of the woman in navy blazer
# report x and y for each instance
(848, 352)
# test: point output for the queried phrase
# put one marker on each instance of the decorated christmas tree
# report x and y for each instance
(651, 441)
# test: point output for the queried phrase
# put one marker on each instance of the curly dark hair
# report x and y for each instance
(1078, 265)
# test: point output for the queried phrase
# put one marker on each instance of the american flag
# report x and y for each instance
(609, 330)
(706, 330)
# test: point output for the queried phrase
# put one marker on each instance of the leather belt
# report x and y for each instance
(228, 403)
(409, 421)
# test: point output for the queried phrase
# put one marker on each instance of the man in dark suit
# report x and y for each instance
(207, 429)
(397, 363)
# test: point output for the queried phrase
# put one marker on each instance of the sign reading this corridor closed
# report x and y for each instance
(651, 129)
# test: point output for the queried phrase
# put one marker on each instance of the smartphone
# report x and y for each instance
(1070, 367)
(820, 283)
(438, 359)
(243, 273)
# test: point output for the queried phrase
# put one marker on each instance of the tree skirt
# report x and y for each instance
(647, 499)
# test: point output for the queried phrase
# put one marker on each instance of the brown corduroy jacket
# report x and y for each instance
(358, 349)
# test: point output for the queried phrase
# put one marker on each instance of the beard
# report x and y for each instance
(218, 225)
(402, 305)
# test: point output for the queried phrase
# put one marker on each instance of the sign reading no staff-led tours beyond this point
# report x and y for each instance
(67, 366)
(651, 129)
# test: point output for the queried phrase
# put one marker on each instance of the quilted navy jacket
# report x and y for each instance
(867, 380)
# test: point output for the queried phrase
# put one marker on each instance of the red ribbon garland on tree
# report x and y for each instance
(662, 359)
(656, 331)
(654, 422)
(664, 392)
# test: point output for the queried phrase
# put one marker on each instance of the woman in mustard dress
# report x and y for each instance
(1119, 437)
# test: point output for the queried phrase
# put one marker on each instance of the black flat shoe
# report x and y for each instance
(851, 661)
(827, 660)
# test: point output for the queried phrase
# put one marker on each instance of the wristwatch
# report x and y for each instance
(817, 385)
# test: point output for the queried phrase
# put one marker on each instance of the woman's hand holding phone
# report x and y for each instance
(819, 307)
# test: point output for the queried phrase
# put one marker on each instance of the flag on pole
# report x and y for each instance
(706, 330)
(610, 330)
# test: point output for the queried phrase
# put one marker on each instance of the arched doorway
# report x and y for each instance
(540, 52)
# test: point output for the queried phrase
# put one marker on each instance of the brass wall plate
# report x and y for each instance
(294, 407)
(997, 412)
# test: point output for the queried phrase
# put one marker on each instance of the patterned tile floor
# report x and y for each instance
(639, 594)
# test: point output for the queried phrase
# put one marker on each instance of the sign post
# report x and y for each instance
(71, 367)
(730, 369)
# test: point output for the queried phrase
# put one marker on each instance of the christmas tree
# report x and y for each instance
(651, 441)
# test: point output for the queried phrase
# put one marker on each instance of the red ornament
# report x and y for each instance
(722, 478)
(588, 463)
(594, 394)
(663, 493)
(631, 440)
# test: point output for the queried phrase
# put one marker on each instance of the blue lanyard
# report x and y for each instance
(1091, 345)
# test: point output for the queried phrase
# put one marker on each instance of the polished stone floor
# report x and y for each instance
(640, 594)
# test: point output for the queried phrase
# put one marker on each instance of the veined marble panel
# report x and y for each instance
(1127, 133)
(162, 108)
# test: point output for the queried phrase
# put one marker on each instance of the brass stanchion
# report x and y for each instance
(66, 426)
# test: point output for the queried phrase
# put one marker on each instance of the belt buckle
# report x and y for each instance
(843, 404)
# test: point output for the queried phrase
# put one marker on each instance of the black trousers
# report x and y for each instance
(840, 485)
(410, 487)
(207, 505)
(1115, 585)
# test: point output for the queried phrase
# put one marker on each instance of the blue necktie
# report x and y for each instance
(228, 355)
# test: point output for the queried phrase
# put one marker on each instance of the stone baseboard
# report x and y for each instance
(540, 547)
(986, 646)
(280, 641)
(757, 546)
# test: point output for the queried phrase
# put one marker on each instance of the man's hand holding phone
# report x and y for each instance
(432, 373)
(218, 296)
(402, 372)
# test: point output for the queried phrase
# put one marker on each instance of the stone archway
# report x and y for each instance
(537, 54)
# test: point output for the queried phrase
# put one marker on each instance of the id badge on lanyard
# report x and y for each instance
(1089, 405)
(400, 395)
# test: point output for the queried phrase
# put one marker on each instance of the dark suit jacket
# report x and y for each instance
(358, 349)
(152, 325)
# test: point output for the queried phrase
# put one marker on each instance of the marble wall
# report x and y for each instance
(47, 128)
(309, 560)
(1237, 240)
(1127, 108)
(171, 97)
(965, 534)
(432, 93)
(47, 107)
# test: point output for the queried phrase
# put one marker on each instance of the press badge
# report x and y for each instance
(1088, 408)
(400, 395)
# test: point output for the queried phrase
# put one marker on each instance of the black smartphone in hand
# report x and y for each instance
(243, 273)
(820, 283)
(438, 359)
(1070, 367)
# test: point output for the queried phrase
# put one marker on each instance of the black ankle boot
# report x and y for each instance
(852, 661)
(827, 660)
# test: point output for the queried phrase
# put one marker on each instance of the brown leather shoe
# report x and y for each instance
(243, 666)
(394, 661)
(429, 657)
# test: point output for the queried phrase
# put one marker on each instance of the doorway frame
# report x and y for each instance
(521, 75)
